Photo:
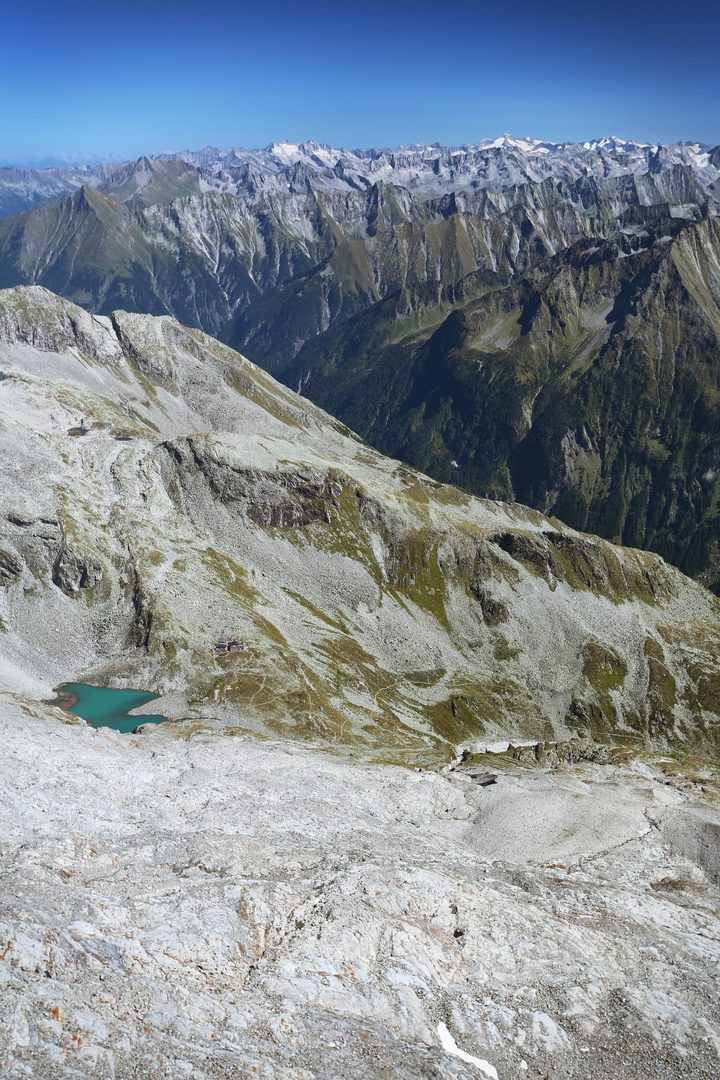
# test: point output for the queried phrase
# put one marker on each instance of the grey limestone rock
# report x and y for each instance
(192, 901)
(284, 881)
(10, 568)
(72, 572)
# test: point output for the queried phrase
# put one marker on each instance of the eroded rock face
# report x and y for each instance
(36, 318)
(72, 572)
(275, 501)
(10, 568)
(552, 755)
(587, 562)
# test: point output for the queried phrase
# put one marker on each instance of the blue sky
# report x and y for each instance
(146, 77)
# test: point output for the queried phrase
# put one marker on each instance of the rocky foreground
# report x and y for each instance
(186, 904)
(299, 875)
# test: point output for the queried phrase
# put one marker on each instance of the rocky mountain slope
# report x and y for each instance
(359, 278)
(162, 495)
(299, 876)
(587, 387)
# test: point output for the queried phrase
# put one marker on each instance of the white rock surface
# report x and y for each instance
(185, 903)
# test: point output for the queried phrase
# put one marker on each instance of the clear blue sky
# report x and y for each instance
(139, 78)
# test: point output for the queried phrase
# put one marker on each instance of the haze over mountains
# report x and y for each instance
(530, 320)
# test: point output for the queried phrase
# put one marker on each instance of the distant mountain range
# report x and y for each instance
(23, 188)
(282, 166)
(530, 320)
(60, 161)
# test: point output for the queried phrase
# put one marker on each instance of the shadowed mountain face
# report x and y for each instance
(162, 497)
(588, 387)
(528, 320)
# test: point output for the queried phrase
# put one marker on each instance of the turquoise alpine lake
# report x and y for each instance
(102, 707)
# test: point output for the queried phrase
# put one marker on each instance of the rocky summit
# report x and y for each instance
(437, 792)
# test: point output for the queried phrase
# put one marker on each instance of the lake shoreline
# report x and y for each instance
(103, 706)
(64, 699)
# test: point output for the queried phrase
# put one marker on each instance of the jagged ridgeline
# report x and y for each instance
(163, 496)
(526, 320)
